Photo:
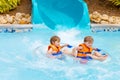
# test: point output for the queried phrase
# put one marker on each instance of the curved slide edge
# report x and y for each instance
(51, 21)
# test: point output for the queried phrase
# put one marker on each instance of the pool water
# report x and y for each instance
(20, 61)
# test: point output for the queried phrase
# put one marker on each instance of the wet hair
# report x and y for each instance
(88, 39)
(54, 38)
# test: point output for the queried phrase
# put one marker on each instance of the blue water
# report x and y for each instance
(22, 56)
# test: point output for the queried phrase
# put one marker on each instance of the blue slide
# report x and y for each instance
(67, 13)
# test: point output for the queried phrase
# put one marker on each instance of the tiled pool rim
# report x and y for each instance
(28, 27)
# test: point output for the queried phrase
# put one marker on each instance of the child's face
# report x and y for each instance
(57, 43)
(88, 44)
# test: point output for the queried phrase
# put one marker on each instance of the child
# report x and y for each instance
(85, 49)
(54, 49)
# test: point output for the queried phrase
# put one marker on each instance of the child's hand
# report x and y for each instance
(69, 46)
(78, 48)
(65, 45)
(54, 51)
(96, 49)
(50, 56)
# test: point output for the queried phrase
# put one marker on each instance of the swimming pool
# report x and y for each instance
(19, 61)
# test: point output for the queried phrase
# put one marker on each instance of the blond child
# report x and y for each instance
(55, 49)
(85, 49)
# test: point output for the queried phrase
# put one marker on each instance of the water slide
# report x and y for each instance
(65, 13)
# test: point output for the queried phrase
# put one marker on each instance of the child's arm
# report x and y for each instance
(95, 49)
(79, 47)
(75, 50)
(50, 51)
(65, 45)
